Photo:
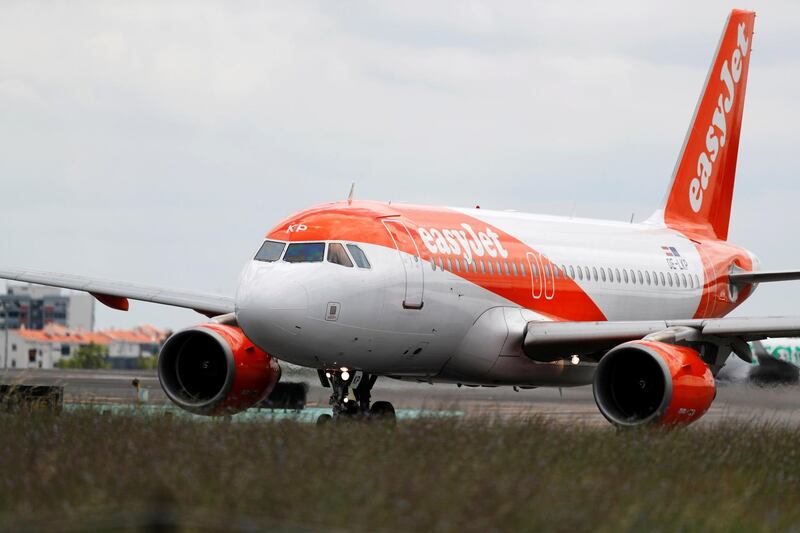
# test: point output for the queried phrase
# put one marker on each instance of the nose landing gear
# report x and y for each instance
(341, 381)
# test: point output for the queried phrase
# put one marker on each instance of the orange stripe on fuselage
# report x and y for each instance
(361, 222)
(717, 257)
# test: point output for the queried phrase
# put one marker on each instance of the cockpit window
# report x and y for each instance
(336, 254)
(358, 256)
(305, 252)
(270, 251)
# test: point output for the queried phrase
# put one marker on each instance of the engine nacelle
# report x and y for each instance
(213, 369)
(646, 382)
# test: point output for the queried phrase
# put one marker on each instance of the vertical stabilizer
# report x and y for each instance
(699, 199)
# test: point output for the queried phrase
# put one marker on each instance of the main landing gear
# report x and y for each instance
(341, 381)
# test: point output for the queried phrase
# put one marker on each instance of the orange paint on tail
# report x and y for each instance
(699, 200)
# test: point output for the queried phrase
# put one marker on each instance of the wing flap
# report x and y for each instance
(550, 341)
(115, 293)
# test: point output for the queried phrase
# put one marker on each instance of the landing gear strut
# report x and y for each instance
(341, 381)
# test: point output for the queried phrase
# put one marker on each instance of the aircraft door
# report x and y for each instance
(412, 263)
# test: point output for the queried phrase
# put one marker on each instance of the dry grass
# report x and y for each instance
(82, 470)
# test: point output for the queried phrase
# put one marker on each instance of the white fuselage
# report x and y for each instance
(470, 323)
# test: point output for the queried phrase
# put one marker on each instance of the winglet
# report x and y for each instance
(700, 196)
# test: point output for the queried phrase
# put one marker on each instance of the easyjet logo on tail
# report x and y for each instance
(730, 74)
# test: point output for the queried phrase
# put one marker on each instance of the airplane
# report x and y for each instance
(364, 289)
(775, 362)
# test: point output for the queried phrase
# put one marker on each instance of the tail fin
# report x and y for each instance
(699, 200)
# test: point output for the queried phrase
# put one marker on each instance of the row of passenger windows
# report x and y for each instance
(312, 252)
(504, 268)
(655, 278)
(579, 273)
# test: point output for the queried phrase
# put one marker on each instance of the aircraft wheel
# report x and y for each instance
(324, 419)
(383, 411)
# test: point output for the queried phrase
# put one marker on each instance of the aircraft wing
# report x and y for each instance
(116, 294)
(562, 339)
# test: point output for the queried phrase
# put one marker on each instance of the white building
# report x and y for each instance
(35, 306)
(28, 348)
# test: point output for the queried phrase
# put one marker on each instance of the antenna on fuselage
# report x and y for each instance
(350, 196)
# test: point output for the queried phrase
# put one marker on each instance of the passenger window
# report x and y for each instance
(556, 271)
(683, 280)
(586, 273)
(270, 251)
(358, 256)
(641, 279)
(619, 278)
(458, 264)
(466, 266)
(663, 281)
(697, 281)
(610, 275)
(602, 274)
(441, 264)
(433, 263)
(305, 252)
(491, 269)
(655, 278)
(450, 265)
(535, 270)
(514, 268)
(483, 267)
(669, 278)
(546, 270)
(580, 274)
(338, 256)
(594, 271)
(508, 272)
(474, 266)
(633, 277)
(571, 272)
(625, 275)
(647, 276)
(522, 267)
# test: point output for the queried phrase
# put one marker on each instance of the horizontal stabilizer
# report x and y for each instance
(764, 276)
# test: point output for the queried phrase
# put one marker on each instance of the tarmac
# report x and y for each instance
(737, 401)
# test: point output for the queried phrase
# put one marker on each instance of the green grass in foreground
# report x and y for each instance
(83, 470)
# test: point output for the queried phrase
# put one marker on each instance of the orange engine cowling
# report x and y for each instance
(213, 369)
(646, 382)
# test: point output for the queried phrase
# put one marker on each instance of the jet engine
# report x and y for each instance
(214, 369)
(648, 382)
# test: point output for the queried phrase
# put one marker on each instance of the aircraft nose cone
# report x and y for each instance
(272, 311)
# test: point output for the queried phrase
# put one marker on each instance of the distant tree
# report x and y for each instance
(147, 363)
(87, 356)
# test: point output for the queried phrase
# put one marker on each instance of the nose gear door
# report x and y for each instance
(412, 263)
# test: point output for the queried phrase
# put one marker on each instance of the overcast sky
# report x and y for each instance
(158, 142)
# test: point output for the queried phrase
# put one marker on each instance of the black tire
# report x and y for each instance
(383, 411)
(324, 419)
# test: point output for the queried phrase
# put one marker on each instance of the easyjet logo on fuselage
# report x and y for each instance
(730, 74)
(465, 242)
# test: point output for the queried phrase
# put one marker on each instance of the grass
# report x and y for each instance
(81, 470)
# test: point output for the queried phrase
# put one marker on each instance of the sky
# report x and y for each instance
(158, 142)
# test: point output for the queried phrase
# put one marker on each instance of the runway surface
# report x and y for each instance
(573, 405)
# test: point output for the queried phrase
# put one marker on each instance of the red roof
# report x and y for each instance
(146, 334)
